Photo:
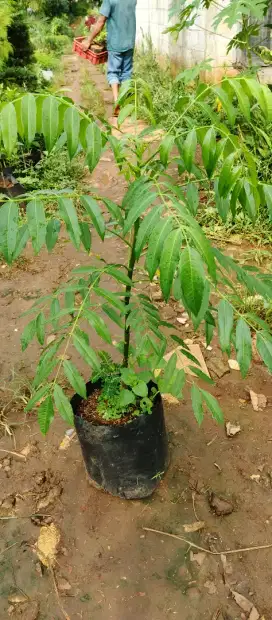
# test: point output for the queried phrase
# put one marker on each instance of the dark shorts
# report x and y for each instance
(120, 65)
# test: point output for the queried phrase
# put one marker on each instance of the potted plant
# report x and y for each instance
(119, 414)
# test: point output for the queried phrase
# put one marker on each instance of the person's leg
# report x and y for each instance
(127, 66)
(114, 72)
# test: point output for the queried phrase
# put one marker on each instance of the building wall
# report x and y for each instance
(193, 45)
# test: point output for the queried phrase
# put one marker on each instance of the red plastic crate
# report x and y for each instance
(95, 58)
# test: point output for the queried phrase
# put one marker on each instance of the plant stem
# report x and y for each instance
(131, 265)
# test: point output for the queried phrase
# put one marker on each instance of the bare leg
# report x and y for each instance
(115, 91)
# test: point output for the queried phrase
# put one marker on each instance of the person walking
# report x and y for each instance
(120, 16)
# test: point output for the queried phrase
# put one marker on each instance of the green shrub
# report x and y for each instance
(56, 42)
(22, 54)
(54, 8)
(23, 76)
(60, 25)
(46, 60)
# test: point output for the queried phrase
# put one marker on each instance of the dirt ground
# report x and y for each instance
(109, 567)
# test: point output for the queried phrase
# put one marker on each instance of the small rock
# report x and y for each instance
(8, 503)
(197, 557)
(6, 462)
(63, 585)
(26, 450)
(181, 321)
(190, 528)
(17, 598)
(219, 505)
(242, 601)
(156, 295)
(211, 587)
(218, 367)
(232, 429)
(233, 364)
(256, 477)
(259, 401)
(11, 609)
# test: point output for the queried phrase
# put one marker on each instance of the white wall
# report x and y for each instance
(194, 45)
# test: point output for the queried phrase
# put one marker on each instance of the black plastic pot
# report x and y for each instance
(126, 460)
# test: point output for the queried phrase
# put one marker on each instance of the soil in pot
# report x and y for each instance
(96, 48)
(126, 457)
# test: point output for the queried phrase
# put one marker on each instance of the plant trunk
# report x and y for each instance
(131, 266)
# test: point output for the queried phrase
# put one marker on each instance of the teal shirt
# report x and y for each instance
(121, 24)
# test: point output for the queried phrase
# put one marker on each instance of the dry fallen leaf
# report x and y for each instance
(182, 321)
(189, 528)
(50, 339)
(259, 401)
(242, 601)
(227, 568)
(233, 364)
(232, 429)
(254, 614)
(47, 545)
(171, 400)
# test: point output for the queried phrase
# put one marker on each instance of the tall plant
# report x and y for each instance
(5, 20)
(246, 15)
(156, 223)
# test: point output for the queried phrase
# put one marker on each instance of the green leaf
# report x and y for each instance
(52, 233)
(189, 150)
(196, 398)
(202, 375)
(169, 261)
(242, 97)
(45, 414)
(8, 229)
(137, 208)
(267, 189)
(110, 312)
(119, 276)
(213, 406)
(36, 224)
(114, 210)
(63, 405)
(37, 397)
(75, 378)
(146, 228)
(192, 277)
(28, 116)
(50, 121)
(110, 297)
(226, 103)
(166, 147)
(264, 348)
(247, 199)
(28, 334)
(209, 330)
(86, 236)
(204, 306)
(54, 312)
(8, 126)
(40, 327)
(209, 152)
(98, 324)
(71, 127)
(192, 198)
(243, 346)
(225, 324)
(126, 398)
(226, 178)
(69, 215)
(92, 208)
(140, 389)
(21, 241)
(85, 350)
(155, 245)
(125, 112)
(94, 145)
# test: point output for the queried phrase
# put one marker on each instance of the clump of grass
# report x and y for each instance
(91, 97)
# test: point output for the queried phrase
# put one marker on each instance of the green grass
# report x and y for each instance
(91, 97)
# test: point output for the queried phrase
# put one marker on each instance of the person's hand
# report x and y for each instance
(86, 44)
